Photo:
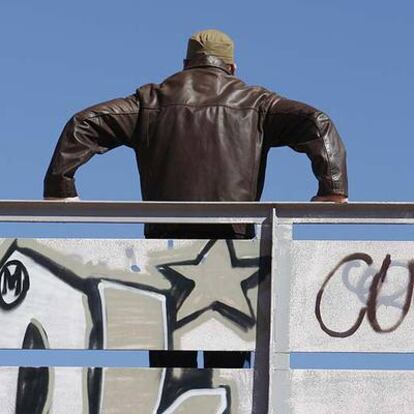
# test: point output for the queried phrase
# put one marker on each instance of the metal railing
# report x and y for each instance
(276, 220)
(203, 212)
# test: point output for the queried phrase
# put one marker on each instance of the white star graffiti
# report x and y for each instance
(226, 288)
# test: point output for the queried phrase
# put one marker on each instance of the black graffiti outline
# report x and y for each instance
(19, 282)
(356, 256)
(33, 383)
(90, 287)
(178, 381)
(371, 305)
(362, 287)
(375, 289)
(182, 287)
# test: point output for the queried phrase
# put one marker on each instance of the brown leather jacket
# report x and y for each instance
(201, 135)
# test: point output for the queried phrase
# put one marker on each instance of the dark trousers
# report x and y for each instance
(188, 359)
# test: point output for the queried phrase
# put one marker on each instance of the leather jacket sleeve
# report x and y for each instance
(94, 130)
(307, 130)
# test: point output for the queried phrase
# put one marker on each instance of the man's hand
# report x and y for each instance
(332, 198)
(65, 199)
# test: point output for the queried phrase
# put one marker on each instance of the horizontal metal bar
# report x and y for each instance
(203, 212)
(129, 220)
(342, 220)
(132, 212)
(395, 213)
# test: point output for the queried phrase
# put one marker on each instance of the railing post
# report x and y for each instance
(279, 356)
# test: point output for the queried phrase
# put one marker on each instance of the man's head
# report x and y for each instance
(212, 43)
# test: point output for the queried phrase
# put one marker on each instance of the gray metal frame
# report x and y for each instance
(282, 238)
(203, 212)
(277, 221)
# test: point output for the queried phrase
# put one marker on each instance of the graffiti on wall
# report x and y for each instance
(129, 390)
(369, 288)
(48, 301)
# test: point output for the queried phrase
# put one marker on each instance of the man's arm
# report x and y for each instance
(95, 130)
(307, 130)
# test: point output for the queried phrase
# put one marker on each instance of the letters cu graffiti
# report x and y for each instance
(370, 296)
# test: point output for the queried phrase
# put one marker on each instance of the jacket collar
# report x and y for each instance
(205, 61)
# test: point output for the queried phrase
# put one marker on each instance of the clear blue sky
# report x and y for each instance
(352, 59)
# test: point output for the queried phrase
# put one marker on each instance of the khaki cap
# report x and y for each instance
(211, 42)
